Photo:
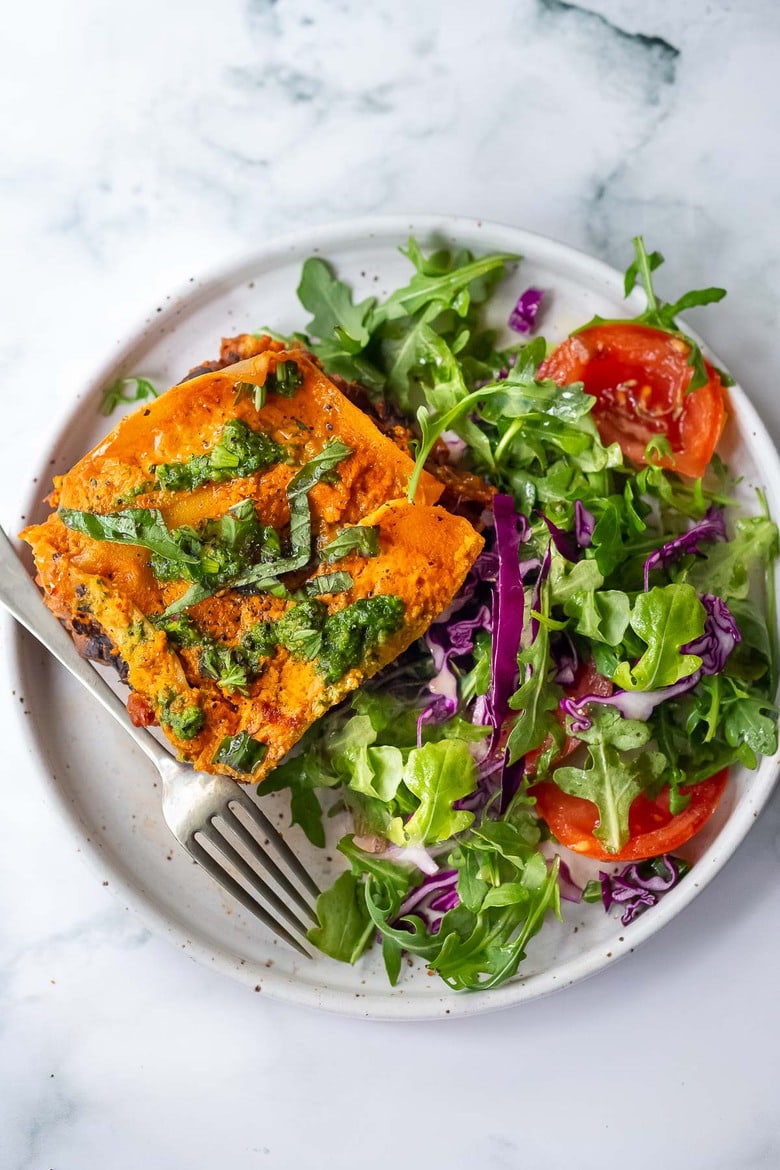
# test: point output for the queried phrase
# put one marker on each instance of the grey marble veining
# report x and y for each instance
(143, 145)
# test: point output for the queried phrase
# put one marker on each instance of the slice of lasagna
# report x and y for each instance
(242, 549)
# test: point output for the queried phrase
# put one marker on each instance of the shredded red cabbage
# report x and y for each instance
(721, 635)
(712, 527)
(630, 704)
(523, 316)
(641, 884)
(584, 523)
(563, 541)
(570, 545)
(508, 609)
(431, 900)
(570, 891)
(447, 639)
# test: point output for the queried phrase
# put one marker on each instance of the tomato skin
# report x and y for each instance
(639, 377)
(653, 828)
(140, 711)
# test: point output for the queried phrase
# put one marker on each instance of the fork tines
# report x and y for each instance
(211, 845)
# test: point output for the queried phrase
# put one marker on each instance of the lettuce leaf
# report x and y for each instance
(615, 773)
(666, 618)
(439, 774)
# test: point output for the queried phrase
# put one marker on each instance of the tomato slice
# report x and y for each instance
(654, 830)
(639, 377)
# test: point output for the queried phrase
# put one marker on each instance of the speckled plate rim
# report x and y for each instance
(199, 946)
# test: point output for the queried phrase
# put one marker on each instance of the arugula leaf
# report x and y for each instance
(302, 773)
(746, 725)
(601, 615)
(439, 288)
(571, 580)
(439, 774)
(666, 618)
(660, 315)
(475, 950)
(617, 771)
(520, 394)
(376, 771)
(120, 392)
(345, 925)
(726, 568)
(394, 881)
(440, 379)
(396, 878)
(404, 344)
(330, 302)
(380, 346)
(432, 426)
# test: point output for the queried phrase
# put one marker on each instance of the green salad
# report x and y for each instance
(610, 656)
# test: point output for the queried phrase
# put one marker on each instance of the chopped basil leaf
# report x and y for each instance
(285, 380)
(362, 539)
(241, 752)
(338, 582)
(140, 526)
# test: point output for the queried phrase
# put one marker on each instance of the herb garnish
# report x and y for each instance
(381, 345)
(240, 451)
(184, 721)
(360, 538)
(241, 752)
(120, 392)
(234, 551)
(660, 315)
(286, 380)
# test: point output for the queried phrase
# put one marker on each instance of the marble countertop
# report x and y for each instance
(144, 144)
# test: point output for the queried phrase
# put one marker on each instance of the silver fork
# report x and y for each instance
(198, 807)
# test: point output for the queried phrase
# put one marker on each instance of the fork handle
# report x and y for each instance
(21, 598)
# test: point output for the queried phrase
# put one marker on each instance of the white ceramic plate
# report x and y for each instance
(105, 789)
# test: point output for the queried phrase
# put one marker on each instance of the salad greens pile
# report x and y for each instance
(593, 571)
(614, 639)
